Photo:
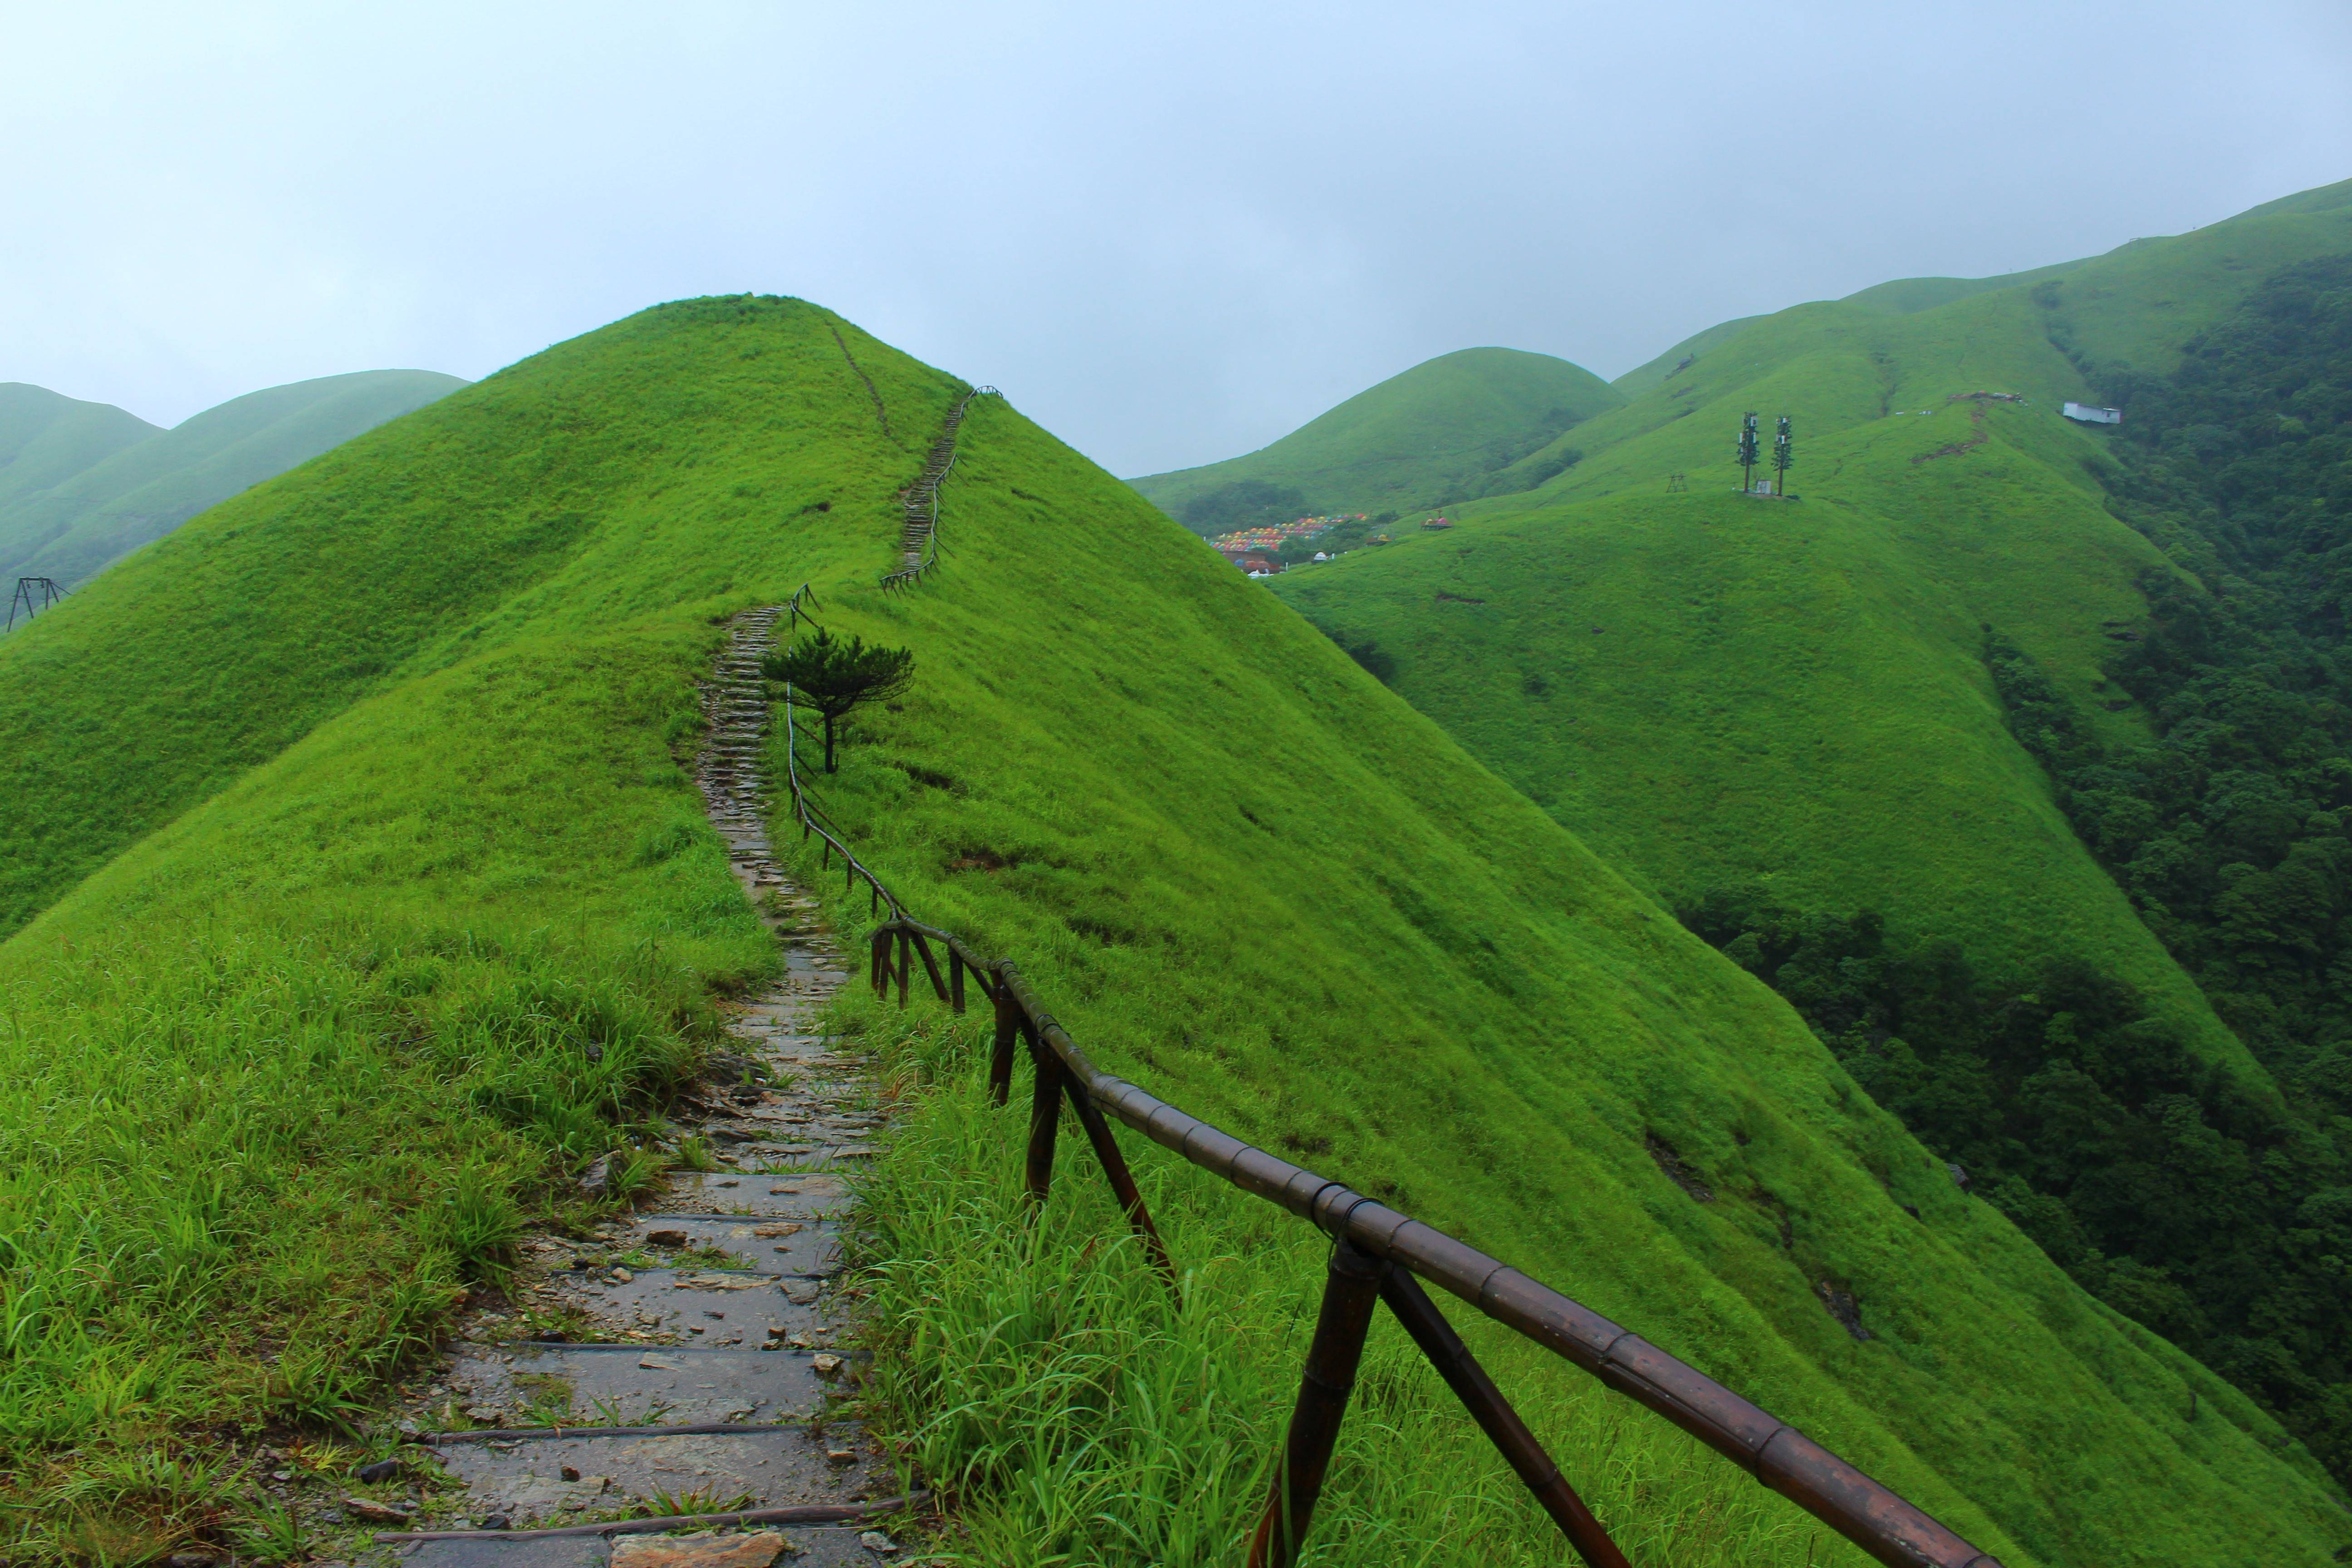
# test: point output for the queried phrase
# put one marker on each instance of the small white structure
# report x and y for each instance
(2088, 414)
(1320, 556)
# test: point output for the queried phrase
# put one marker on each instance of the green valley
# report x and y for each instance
(358, 899)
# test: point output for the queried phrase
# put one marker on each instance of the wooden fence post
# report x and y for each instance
(1008, 1033)
(1045, 1115)
(1349, 1292)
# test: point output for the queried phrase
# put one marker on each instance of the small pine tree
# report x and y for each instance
(836, 677)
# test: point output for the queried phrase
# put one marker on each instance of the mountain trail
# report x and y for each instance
(697, 1365)
(920, 500)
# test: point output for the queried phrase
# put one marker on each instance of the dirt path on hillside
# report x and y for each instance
(685, 1358)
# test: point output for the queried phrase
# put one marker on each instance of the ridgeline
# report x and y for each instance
(362, 900)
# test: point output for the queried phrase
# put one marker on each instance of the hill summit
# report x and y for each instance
(1432, 436)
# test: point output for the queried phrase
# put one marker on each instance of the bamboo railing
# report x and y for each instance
(1379, 1255)
(919, 536)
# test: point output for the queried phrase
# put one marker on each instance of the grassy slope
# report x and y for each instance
(1269, 888)
(1793, 691)
(46, 439)
(1654, 373)
(70, 529)
(1419, 439)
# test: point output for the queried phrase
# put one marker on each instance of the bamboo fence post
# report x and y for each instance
(1349, 1293)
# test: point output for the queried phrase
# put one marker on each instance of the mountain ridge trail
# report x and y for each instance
(703, 1382)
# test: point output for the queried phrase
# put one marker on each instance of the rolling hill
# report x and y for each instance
(1433, 436)
(1808, 706)
(96, 483)
(46, 439)
(344, 821)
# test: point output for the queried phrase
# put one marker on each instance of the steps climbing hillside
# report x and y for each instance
(707, 1362)
(918, 537)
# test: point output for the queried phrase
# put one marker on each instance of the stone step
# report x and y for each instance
(806, 1247)
(539, 1384)
(818, 1196)
(526, 1478)
(803, 1546)
(714, 1307)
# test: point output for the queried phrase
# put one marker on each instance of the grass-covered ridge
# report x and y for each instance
(1797, 690)
(1808, 705)
(74, 525)
(1244, 872)
(46, 438)
(1429, 437)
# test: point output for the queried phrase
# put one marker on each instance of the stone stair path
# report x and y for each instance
(920, 500)
(699, 1361)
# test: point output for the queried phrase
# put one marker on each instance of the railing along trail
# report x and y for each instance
(918, 544)
(1379, 1255)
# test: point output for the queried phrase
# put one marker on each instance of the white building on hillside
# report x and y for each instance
(2090, 414)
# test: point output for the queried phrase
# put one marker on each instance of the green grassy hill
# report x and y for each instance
(1788, 675)
(1429, 437)
(1791, 703)
(129, 492)
(46, 439)
(354, 815)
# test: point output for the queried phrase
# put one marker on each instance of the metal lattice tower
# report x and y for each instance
(33, 593)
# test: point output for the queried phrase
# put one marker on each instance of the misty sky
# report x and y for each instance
(1168, 233)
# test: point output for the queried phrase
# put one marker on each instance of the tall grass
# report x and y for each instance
(1039, 1372)
(244, 1174)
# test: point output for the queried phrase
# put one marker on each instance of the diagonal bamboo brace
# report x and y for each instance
(1494, 1415)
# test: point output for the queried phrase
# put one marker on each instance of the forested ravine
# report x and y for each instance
(2214, 1214)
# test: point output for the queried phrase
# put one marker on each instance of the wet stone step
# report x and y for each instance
(801, 1548)
(634, 1385)
(806, 1247)
(726, 1193)
(711, 1306)
(538, 1478)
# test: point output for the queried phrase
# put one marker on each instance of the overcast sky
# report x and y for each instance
(1170, 233)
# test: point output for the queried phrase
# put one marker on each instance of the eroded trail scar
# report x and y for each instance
(699, 1335)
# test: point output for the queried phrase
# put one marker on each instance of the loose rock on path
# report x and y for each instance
(702, 1335)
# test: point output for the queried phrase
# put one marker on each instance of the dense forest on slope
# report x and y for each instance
(2121, 1004)
(2221, 1219)
(461, 852)
(2194, 1205)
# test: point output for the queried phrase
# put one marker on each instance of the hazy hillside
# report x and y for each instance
(1429, 437)
(122, 493)
(46, 439)
(351, 891)
(1810, 709)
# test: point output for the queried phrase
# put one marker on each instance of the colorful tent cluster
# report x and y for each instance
(1275, 537)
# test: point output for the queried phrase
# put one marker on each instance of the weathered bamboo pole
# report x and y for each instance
(1494, 1415)
(1351, 1291)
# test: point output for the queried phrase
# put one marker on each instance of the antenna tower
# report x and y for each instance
(1747, 451)
(1784, 455)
